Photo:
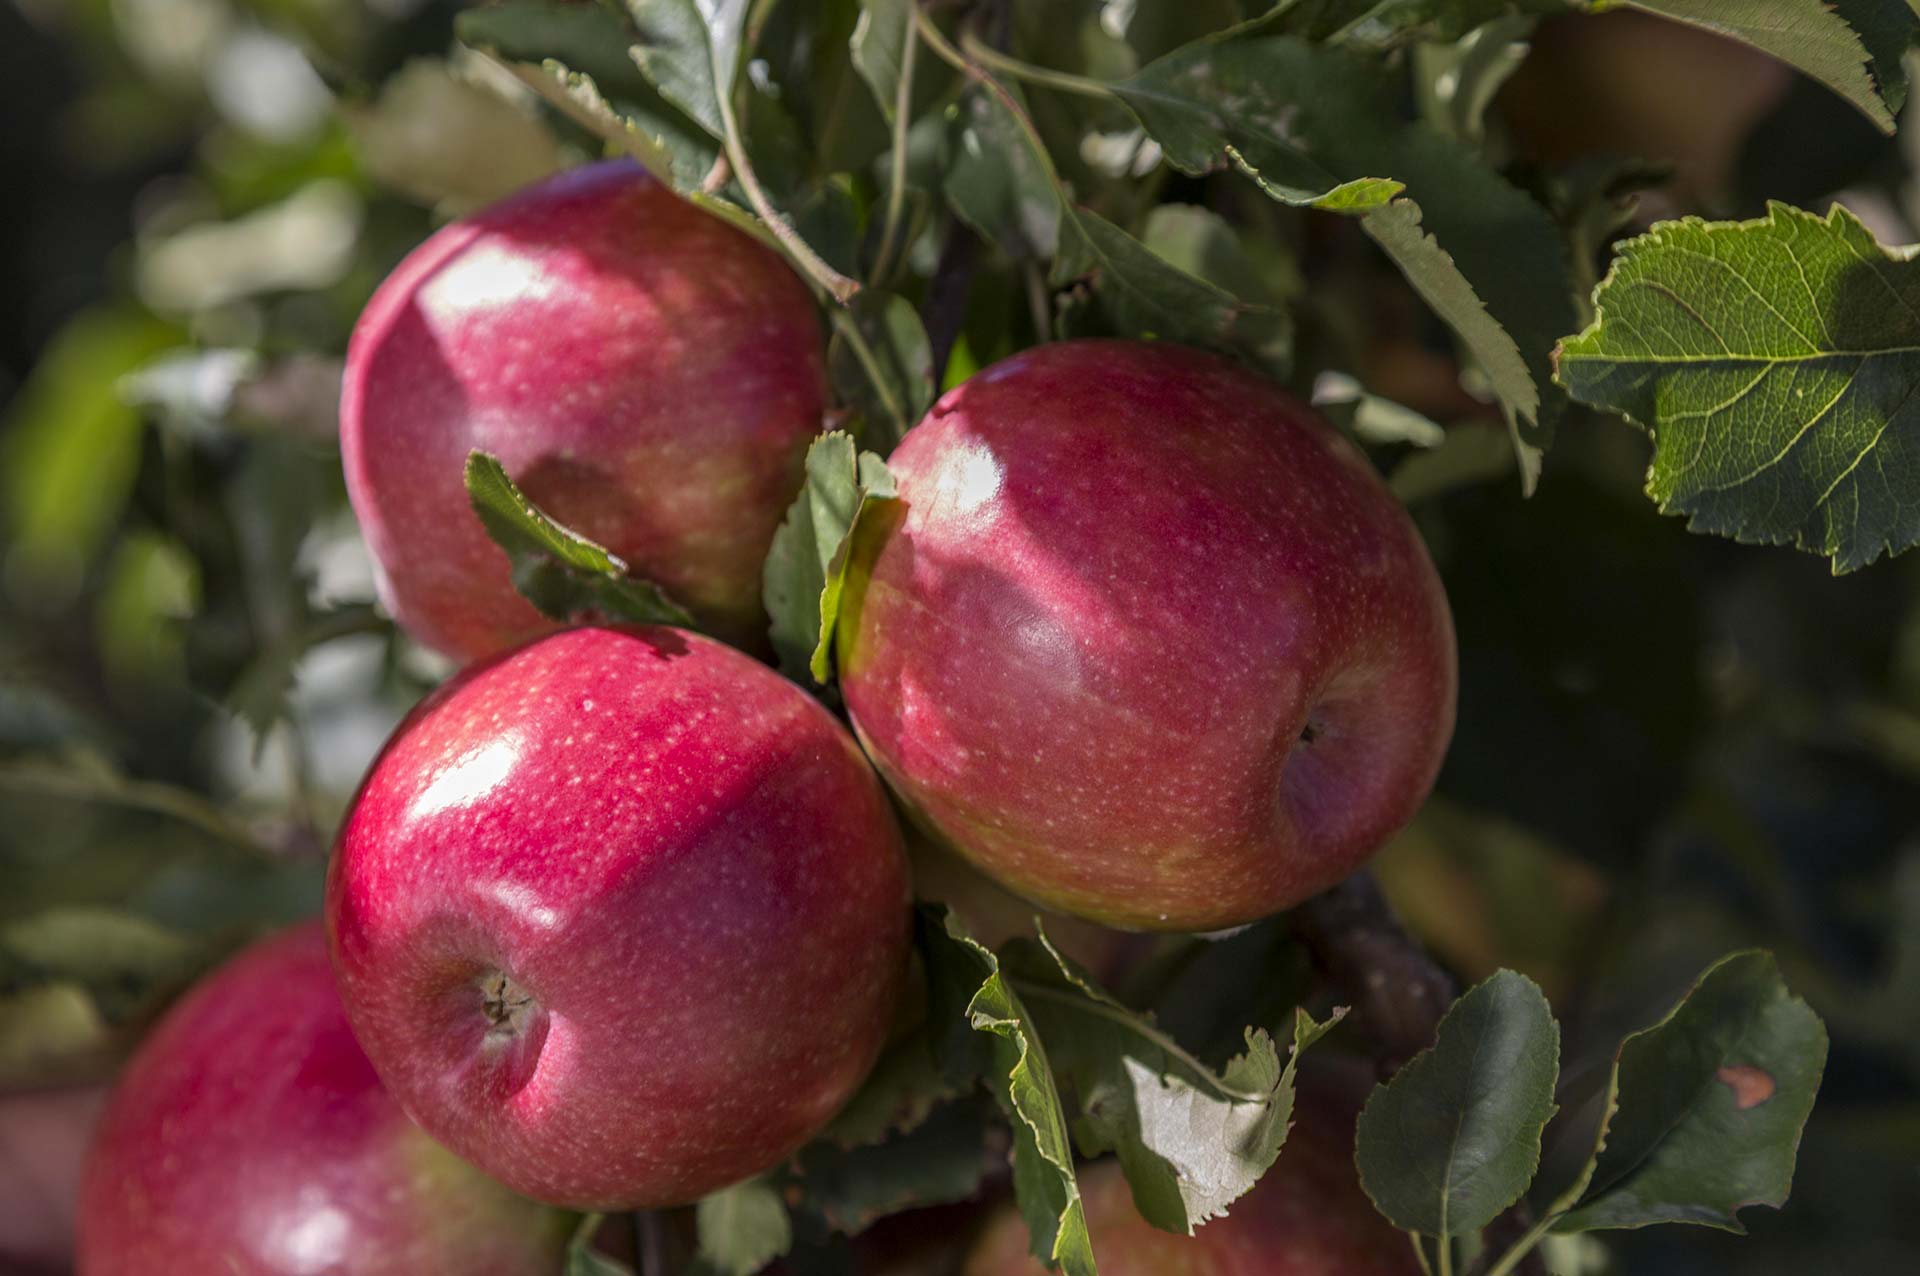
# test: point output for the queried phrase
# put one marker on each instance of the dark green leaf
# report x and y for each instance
(742, 1228)
(1806, 34)
(1390, 24)
(903, 1089)
(1888, 29)
(1467, 456)
(883, 370)
(1706, 1106)
(1776, 364)
(1191, 1141)
(807, 565)
(1457, 81)
(942, 1159)
(1201, 242)
(563, 574)
(1454, 1138)
(1018, 1073)
(1317, 127)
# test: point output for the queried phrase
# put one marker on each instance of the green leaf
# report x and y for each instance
(1776, 363)
(879, 48)
(583, 1259)
(999, 183)
(1805, 34)
(563, 574)
(1457, 81)
(1468, 456)
(1433, 274)
(1191, 1141)
(690, 51)
(742, 1228)
(574, 56)
(1203, 244)
(883, 369)
(902, 1091)
(962, 972)
(1370, 418)
(1318, 127)
(1454, 1138)
(1710, 1105)
(88, 778)
(807, 564)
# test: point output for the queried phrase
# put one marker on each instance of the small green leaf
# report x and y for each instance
(1191, 1141)
(1370, 418)
(1454, 1138)
(1205, 245)
(963, 972)
(903, 1090)
(807, 564)
(690, 51)
(583, 1259)
(742, 1228)
(1805, 34)
(883, 369)
(1706, 1106)
(1776, 363)
(563, 574)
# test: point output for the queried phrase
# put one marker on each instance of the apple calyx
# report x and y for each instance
(506, 1005)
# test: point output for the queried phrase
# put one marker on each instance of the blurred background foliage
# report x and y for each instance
(1669, 746)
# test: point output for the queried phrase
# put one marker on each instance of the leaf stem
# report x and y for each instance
(897, 178)
(810, 263)
(1514, 1256)
(849, 330)
(1064, 81)
(1444, 1246)
(1420, 1252)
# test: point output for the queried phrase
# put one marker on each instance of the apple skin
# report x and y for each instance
(1306, 1217)
(249, 1136)
(690, 880)
(648, 374)
(1124, 581)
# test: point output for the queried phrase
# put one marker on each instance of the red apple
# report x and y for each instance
(621, 916)
(1306, 1217)
(1150, 642)
(43, 1141)
(250, 1137)
(648, 374)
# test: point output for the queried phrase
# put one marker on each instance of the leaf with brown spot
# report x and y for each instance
(1706, 1106)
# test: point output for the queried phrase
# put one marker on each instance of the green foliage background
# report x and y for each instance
(1671, 745)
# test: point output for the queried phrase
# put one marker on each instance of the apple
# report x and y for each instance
(1306, 1217)
(620, 916)
(1146, 639)
(648, 374)
(249, 1136)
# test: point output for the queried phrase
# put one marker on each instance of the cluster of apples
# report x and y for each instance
(620, 916)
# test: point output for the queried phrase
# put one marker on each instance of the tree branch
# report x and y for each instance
(1398, 993)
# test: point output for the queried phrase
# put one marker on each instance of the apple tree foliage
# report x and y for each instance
(1685, 771)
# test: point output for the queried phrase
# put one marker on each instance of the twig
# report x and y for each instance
(1399, 994)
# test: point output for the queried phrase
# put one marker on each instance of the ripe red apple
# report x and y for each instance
(1306, 1217)
(1147, 641)
(648, 374)
(620, 916)
(250, 1137)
